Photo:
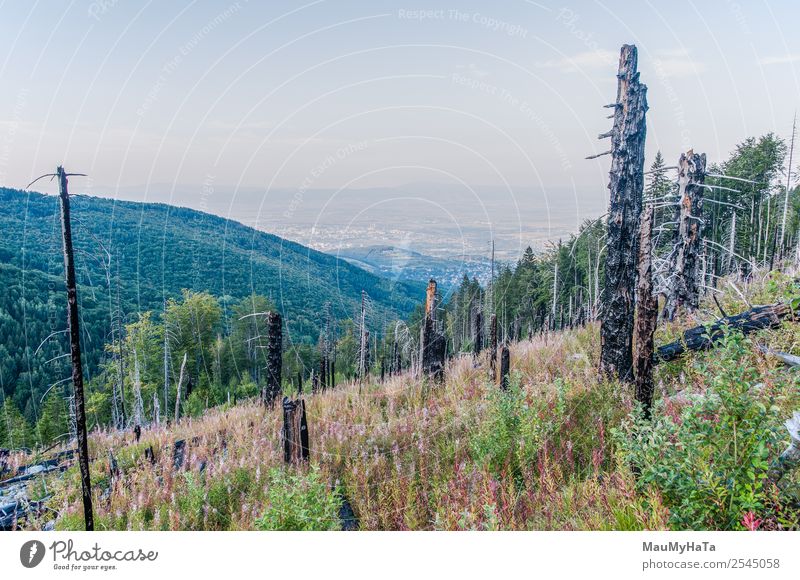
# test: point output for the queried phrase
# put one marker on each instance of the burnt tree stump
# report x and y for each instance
(113, 468)
(150, 455)
(505, 366)
(295, 431)
(626, 186)
(433, 346)
(178, 454)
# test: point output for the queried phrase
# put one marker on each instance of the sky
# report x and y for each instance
(194, 102)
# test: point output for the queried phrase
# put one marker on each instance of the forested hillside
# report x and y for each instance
(132, 258)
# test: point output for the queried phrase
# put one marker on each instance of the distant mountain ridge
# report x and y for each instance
(156, 251)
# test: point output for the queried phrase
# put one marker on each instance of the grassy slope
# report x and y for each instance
(411, 456)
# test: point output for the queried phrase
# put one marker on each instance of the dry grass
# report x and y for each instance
(408, 454)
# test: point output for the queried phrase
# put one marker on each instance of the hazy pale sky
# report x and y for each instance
(326, 94)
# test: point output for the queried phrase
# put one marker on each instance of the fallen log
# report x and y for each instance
(705, 337)
(786, 358)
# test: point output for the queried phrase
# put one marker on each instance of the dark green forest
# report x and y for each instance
(133, 259)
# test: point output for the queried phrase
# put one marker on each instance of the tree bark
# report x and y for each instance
(647, 315)
(272, 389)
(493, 347)
(505, 364)
(179, 387)
(433, 346)
(626, 186)
(477, 335)
(75, 349)
(684, 288)
(295, 431)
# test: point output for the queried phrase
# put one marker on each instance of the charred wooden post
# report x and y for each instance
(493, 347)
(433, 346)
(437, 356)
(274, 358)
(323, 372)
(178, 454)
(626, 186)
(189, 386)
(295, 431)
(113, 468)
(477, 335)
(647, 315)
(75, 348)
(505, 366)
(684, 287)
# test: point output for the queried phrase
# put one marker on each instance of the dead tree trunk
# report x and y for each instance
(75, 349)
(705, 337)
(295, 431)
(179, 387)
(363, 351)
(433, 346)
(395, 369)
(323, 371)
(505, 364)
(626, 186)
(121, 360)
(647, 315)
(493, 347)
(684, 287)
(274, 358)
(477, 335)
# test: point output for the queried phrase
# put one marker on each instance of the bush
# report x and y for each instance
(300, 502)
(510, 435)
(710, 463)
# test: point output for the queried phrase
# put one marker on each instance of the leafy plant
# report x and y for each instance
(710, 463)
(300, 502)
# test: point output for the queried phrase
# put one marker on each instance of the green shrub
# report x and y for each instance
(710, 464)
(511, 434)
(300, 502)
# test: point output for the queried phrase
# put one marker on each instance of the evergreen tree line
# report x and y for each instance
(744, 227)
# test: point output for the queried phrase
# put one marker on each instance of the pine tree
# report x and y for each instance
(14, 429)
